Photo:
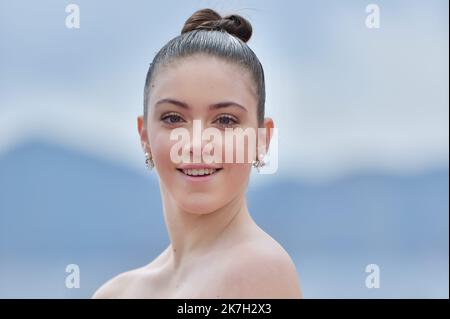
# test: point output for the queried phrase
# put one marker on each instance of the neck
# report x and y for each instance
(193, 234)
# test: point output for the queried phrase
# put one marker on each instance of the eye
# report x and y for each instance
(226, 120)
(172, 118)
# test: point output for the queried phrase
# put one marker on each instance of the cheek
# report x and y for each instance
(161, 145)
(236, 176)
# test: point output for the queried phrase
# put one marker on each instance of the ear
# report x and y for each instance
(268, 126)
(143, 135)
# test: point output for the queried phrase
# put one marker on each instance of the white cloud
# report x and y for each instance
(359, 100)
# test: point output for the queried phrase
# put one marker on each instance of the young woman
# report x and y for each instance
(208, 73)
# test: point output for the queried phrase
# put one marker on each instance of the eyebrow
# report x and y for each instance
(211, 107)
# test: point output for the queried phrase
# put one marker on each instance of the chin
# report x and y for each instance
(199, 204)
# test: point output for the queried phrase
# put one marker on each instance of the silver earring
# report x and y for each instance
(149, 161)
(259, 162)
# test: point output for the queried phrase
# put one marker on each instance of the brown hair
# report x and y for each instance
(206, 32)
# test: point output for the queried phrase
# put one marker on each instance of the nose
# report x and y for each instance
(197, 148)
(201, 143)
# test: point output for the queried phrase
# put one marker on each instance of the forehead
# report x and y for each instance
(203, 80)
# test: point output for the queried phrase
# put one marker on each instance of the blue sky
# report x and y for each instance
(344, 97)
(346, 100)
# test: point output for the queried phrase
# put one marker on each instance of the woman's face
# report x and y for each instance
(197, 83)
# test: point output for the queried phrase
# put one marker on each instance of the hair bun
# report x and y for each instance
(208, 19)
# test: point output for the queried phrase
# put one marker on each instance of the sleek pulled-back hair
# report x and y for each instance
(206, 32)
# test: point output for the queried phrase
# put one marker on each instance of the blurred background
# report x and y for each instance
(363, 119)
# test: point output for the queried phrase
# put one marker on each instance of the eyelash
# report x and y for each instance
(168, 117)
(228, 117)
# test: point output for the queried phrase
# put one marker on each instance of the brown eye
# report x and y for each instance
(226, 121)
(172, 118)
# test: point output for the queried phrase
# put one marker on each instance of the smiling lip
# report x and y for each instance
(198, 172)
(198, 166)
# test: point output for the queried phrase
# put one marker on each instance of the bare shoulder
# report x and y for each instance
(124, 284)
(260, 269)
(115, 287)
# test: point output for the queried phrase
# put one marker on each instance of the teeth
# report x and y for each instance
(199, 172)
